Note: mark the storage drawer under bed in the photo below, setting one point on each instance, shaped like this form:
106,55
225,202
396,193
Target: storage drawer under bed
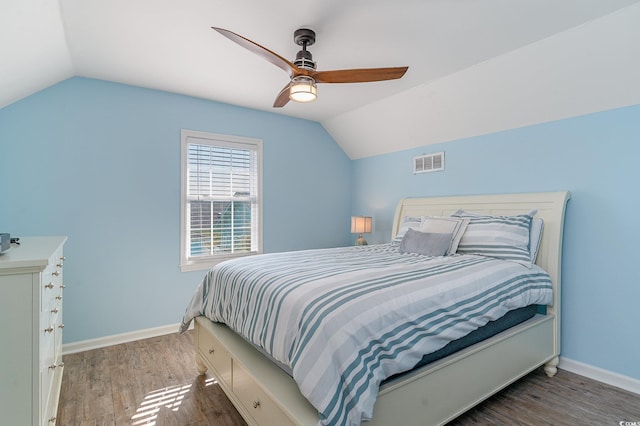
258,404
216,356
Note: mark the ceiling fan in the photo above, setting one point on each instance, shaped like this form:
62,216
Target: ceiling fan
302,87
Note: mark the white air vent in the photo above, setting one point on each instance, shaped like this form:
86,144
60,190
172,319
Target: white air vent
428,163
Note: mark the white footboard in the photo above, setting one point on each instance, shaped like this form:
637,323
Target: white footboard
441,391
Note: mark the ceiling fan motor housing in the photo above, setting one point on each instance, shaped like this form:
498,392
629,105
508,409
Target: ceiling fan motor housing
304,37
304,60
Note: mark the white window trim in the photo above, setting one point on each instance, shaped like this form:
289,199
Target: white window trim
235,141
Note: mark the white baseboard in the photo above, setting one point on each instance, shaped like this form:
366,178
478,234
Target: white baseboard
116,339
605,376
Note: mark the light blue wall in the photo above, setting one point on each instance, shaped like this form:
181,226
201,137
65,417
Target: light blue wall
596,158
100,163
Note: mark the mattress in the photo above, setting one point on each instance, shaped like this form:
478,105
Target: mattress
510,319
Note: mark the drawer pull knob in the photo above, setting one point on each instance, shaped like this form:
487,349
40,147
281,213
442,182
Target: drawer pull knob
256,404
59,265
211,351
62,286
63,258
58,297
52,420
61,326
48,330
54,311
61,364
52,367
49,286
56,273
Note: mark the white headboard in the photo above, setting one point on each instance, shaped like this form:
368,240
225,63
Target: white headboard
550,207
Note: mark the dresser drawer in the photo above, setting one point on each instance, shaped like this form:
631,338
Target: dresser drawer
47,343
51,287
216,356
50,338
51,381
257,403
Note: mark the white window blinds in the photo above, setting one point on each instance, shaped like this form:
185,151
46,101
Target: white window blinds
221,198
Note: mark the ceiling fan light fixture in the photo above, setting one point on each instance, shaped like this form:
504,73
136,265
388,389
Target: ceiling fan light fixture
303,89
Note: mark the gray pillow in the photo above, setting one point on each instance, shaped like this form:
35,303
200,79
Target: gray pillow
425,243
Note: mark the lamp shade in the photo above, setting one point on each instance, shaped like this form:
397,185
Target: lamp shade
360,224
303,89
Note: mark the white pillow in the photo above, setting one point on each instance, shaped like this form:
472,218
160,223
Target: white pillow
446,225
535,236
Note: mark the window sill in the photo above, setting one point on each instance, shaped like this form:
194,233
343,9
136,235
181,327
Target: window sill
209,263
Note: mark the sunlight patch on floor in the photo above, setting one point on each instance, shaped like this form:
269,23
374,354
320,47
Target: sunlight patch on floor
170,397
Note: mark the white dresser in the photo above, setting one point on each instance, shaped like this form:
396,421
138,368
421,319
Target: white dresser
31,331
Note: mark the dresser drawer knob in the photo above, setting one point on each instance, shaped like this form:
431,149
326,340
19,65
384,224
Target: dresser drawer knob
52,367
63,258
211,351
52,420
256,404
61,326
49,286
58,297
54,311
59,265
48,330
56,273
62,286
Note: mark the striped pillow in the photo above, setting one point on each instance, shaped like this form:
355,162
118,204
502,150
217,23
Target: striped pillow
408,222
501,237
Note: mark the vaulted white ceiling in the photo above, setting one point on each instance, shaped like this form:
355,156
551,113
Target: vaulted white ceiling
475,66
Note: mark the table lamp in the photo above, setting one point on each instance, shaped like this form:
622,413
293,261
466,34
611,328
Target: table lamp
360,225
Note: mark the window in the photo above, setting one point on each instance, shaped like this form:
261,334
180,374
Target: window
221,192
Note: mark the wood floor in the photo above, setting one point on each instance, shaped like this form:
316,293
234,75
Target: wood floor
155,382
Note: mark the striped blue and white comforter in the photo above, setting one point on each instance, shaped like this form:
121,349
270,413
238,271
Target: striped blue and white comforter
345,319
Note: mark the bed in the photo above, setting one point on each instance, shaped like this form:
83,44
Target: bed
269,392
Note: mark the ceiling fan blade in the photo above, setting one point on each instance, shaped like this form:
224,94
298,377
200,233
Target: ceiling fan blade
362,75
282,98
262,51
